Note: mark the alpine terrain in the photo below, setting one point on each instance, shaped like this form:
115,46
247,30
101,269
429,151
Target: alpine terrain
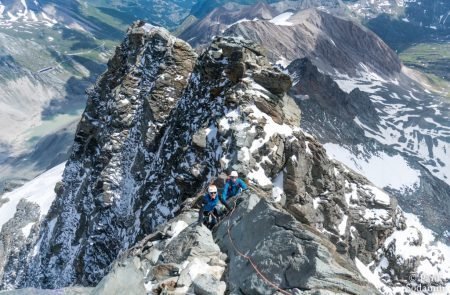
381,118
51,51
160,125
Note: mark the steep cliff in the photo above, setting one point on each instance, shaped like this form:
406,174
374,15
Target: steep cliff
160,125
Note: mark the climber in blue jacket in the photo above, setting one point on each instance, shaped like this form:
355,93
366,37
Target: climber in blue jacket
234,186
211,207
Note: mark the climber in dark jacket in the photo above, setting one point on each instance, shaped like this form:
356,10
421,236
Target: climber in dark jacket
211,205
233,186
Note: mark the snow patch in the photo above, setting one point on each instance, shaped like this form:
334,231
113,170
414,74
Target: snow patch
376,216
278,187
368,274
282,19
259,176
176,229
283,62
380,197
343,225
382,169
316,202
270,128
415,243
238,22
27,229
39,190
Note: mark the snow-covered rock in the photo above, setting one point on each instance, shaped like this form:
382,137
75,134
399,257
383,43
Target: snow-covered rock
148,145
124,114
21,212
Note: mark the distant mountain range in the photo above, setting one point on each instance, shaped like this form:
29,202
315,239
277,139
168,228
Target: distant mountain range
75,38
285,93
163,123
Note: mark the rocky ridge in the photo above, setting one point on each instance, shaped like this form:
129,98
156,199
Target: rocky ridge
360,102
334,44
119,123
144,148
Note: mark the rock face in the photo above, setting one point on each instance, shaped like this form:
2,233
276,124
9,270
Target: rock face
156,131
315,92
292,255
14,234
104,178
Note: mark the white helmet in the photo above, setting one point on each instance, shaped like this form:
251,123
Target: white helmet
212,189
234,174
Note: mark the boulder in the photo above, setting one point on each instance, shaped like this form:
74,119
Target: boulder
288,253
208,285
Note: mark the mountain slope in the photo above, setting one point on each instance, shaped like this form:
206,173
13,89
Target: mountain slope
21,212
333,43
43,97
390,118
353,125
145,150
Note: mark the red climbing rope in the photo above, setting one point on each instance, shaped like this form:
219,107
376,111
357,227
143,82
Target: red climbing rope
258,272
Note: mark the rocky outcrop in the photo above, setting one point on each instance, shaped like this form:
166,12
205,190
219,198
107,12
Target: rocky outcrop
145,150
291,255
317,92
103,180
14,234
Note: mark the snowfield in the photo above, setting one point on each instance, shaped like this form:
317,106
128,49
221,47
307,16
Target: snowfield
411,121
39,190
382,169
282,19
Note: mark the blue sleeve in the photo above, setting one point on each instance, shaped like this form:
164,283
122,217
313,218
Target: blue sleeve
242,184
225,191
